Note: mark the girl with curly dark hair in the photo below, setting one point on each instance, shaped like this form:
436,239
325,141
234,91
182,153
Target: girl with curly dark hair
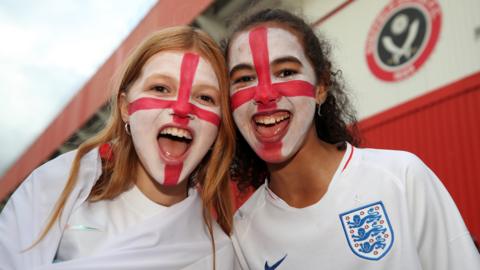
325,203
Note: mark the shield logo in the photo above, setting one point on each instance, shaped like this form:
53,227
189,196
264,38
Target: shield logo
368,231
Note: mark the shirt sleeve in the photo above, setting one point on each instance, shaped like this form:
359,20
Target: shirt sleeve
13,218
441,237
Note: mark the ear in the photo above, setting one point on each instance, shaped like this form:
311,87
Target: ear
123,103
321,93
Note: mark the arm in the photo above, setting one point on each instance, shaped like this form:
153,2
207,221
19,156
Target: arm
25,215
442,239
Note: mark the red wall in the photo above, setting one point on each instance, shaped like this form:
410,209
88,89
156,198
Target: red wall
443,128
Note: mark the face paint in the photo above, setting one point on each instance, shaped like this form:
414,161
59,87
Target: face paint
174,114
272,92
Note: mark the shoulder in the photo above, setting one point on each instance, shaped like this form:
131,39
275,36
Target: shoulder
59,167
388,158
400,168
252,204
49,179
396,162
245,214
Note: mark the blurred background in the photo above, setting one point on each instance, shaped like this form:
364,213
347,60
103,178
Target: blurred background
412,68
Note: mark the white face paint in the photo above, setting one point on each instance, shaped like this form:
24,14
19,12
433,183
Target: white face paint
174,114
272,91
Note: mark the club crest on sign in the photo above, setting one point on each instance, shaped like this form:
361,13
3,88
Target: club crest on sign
402,38
368,231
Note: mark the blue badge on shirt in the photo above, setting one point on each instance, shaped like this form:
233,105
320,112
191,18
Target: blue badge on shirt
368,231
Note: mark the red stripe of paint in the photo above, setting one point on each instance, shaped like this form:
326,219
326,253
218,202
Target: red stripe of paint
295,88
155,103
271,151
289,89
182,107
349,158
148,104
206,115
241,97
265,94
172,174
259,48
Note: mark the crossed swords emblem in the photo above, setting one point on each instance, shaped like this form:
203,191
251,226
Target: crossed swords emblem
399,26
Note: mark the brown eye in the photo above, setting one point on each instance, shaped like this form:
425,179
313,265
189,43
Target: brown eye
160,89
244,79
207,99
286,73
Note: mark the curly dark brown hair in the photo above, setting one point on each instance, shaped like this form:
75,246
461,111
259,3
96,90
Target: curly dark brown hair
337,123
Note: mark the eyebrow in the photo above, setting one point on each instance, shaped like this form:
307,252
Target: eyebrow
286,59
240,67
205,86
156,76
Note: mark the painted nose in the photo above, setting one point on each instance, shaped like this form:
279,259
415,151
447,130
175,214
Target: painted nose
266,94
182,109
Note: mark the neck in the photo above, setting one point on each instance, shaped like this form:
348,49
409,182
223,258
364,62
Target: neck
303,179
161,194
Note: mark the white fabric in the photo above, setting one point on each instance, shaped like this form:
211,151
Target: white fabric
95,222
428,230
173,239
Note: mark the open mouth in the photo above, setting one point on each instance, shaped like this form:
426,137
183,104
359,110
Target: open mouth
174,142
272,126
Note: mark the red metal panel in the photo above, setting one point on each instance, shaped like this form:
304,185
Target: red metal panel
443,129
96,91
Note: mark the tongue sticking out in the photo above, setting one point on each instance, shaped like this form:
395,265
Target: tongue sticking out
173,147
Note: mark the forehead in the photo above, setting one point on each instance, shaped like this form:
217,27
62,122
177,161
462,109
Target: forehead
169,63
280,42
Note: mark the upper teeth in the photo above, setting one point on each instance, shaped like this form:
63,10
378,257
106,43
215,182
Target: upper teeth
271,119
178,132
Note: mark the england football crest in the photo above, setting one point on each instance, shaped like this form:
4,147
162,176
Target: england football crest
368,231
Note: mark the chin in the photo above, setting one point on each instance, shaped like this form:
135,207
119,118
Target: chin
273,157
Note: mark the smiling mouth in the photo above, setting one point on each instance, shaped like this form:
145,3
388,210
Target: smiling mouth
174,142
271,126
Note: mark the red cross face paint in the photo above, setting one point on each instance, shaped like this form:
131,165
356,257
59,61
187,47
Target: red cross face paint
174,114
272,91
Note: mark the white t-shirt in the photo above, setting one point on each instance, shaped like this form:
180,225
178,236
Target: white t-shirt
383,210
174,237
93,223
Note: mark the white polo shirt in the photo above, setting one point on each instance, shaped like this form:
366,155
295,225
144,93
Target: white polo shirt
383,210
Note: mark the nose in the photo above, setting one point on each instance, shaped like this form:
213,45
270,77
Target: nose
182,109
266,94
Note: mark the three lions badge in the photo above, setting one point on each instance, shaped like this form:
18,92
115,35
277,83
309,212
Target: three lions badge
368,231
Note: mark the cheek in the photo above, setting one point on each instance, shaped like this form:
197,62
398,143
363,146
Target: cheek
304,114
147,122
242,117
206,133
304,107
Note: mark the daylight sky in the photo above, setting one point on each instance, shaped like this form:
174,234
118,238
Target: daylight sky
48,50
